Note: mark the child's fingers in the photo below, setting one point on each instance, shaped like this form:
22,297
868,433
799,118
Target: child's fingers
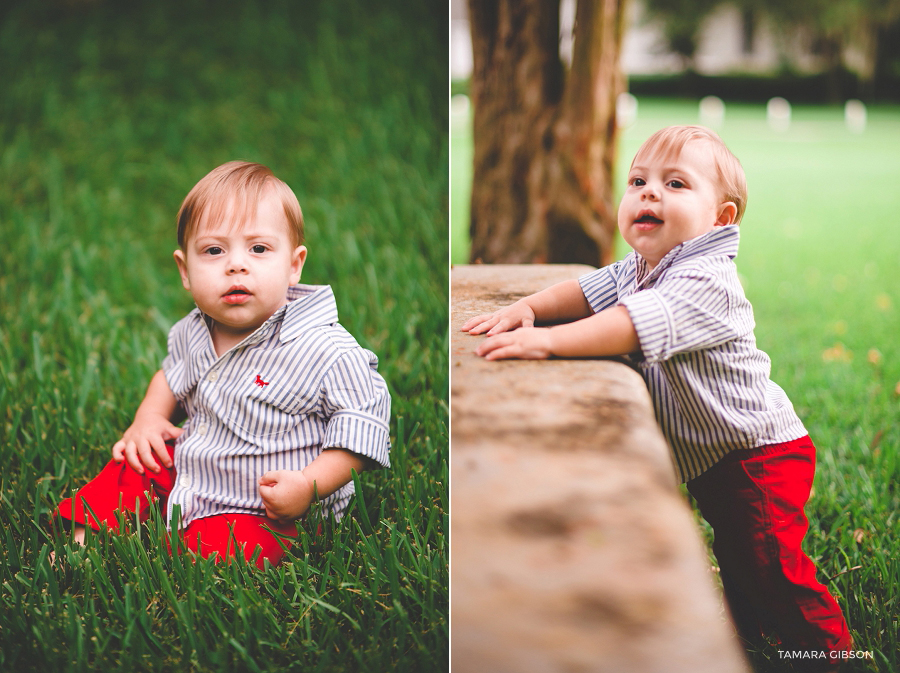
493,343
161,450
504,346
132,458
145,452
508,324
486,325
270,504
501,327
270,478
118,451
172,432
525,344
472,322
505,353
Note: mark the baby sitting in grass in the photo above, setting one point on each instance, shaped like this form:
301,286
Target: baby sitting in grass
675,305
281,403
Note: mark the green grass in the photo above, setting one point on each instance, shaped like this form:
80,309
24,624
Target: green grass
818,257
109,114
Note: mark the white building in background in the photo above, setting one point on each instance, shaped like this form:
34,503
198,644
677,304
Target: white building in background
460,40
725,45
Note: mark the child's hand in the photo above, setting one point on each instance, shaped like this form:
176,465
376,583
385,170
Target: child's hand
286,494
509,318
530,343
144,438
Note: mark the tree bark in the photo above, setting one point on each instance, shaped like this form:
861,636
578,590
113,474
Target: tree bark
544,136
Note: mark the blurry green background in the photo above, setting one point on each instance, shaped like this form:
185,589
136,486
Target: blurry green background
109,113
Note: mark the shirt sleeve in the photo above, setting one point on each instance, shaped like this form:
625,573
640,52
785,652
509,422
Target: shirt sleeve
600,287
688,312
356,401
174,365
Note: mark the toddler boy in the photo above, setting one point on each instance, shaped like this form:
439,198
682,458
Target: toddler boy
676,306
280,401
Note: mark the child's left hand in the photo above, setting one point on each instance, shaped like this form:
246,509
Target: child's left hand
286,494
526,343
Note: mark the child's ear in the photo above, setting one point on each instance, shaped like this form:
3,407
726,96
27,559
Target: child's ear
182,269
298,259
726,214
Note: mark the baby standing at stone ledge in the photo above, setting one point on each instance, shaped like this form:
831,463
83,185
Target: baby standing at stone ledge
676,307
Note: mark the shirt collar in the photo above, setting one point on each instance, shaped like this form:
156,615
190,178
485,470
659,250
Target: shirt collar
308,306
721,241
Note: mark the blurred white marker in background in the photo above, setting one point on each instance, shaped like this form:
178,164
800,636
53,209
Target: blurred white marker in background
778,113
855,115
712,111
626,110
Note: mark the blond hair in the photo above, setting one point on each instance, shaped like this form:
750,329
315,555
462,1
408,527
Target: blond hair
234,189
728,173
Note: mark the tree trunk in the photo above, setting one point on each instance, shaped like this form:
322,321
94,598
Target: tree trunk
544,137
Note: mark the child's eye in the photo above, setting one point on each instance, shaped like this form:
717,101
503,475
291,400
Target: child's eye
675,184
214,250
258,248
637,182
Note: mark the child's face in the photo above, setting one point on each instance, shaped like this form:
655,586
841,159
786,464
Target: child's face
239,272
670,201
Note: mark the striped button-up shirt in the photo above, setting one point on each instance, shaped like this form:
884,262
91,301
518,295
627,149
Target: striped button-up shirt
708,380
298,385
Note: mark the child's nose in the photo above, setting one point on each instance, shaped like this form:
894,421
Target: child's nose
236,264
649,193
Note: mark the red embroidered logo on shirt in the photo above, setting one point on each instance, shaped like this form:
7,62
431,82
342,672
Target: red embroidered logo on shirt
260,382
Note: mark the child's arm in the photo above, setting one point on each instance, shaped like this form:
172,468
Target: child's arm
357,405
288,494
609,332
563,302
151,427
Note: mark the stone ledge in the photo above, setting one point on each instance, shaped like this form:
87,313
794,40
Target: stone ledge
572,549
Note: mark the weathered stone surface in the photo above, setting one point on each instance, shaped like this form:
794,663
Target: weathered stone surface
572,549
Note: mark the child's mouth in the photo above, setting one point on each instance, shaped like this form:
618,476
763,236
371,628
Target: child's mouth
647,221
236,295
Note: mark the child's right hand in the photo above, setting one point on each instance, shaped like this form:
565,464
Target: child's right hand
509,318
145,437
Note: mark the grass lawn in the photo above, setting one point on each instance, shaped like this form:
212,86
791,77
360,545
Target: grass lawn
819,250
109,113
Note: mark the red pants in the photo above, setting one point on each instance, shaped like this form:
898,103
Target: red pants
754,501
119,488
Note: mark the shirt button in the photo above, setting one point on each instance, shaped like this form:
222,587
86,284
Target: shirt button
213,375
202,429
184,481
